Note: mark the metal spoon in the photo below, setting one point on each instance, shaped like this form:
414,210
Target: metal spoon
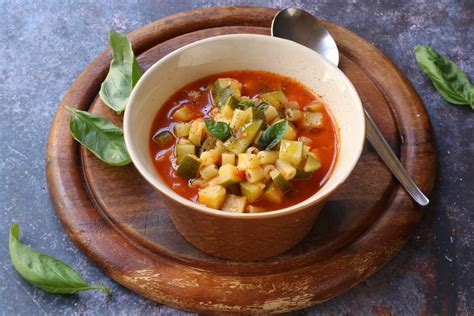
302,27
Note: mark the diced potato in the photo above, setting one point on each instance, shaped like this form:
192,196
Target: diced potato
182,129
229,174
252,191
239,118
273,194
227,111
271,113
247,161
293,115
234,204
267,157
210,157
290,133
286,170
220,147
228,158
315,107
291,151
183,114
313,119
306,150
196,132
254,175
209,172
292,105
256,209
212,196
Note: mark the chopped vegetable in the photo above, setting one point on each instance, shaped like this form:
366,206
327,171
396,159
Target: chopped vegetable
280,182
312,163
163,138
189,166
273,194
209,172
291,152
241,141
313,119
228,158
196,132
212,196
183,114
229,174
252,191
184,149
182,129
275,98
234,204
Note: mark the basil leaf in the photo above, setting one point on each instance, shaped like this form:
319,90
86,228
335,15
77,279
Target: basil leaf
245,104
99,135
49,274
450,81
124,73
272,135
219,130
223,95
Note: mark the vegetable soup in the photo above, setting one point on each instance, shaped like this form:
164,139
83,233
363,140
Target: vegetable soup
244,141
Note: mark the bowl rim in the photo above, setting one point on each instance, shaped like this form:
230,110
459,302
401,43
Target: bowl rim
150,178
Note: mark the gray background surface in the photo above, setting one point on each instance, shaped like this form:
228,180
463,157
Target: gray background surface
44,45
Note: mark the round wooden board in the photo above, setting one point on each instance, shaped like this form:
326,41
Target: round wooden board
120,222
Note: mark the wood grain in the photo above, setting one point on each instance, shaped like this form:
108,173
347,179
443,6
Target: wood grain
119,221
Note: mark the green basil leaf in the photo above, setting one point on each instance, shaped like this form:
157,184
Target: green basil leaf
245,104
219,130
272,135
99,135
450,81
223,95
124,73
49,274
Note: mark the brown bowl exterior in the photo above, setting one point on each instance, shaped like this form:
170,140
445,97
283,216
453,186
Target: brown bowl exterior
242,239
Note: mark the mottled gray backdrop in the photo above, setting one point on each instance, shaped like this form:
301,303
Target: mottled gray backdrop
44,45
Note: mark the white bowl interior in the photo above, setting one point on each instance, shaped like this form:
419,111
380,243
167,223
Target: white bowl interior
244,52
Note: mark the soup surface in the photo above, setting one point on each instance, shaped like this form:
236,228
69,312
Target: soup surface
265,100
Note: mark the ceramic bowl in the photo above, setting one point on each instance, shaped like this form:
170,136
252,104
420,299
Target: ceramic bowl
244,236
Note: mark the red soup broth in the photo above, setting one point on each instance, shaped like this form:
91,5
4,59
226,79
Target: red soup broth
197,96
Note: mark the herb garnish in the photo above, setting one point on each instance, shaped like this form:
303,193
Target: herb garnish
123,75
450,81
103,138
48,273
219,130
272,135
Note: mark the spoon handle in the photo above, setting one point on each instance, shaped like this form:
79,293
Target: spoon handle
393,163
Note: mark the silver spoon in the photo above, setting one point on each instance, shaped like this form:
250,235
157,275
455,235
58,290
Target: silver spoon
302,27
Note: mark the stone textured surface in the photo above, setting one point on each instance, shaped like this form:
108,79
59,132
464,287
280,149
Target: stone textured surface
45,45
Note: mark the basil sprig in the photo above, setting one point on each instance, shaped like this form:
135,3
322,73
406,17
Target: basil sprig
49,274
103,138
219,130
272,135
124,73
450,81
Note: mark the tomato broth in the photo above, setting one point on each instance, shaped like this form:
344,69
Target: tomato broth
198,97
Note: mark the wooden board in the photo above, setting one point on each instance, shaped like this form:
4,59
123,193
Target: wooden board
120,222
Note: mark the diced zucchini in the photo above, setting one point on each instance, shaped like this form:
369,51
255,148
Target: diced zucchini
240,142
208,144
182,129
254,175
267,157
291,152
182,150
256,209
275,98
245,103
313,119
234,188
247,161
272,194
252,191
196,132
229,174
255,114
234,204
210,157
280,182
315,107
189,167
286,169
183,114
209,172
239,118
302,175
225,88
228,158
212,196
163,138
312,163
271,113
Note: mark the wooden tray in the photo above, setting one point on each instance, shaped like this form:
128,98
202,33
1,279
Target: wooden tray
120,222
